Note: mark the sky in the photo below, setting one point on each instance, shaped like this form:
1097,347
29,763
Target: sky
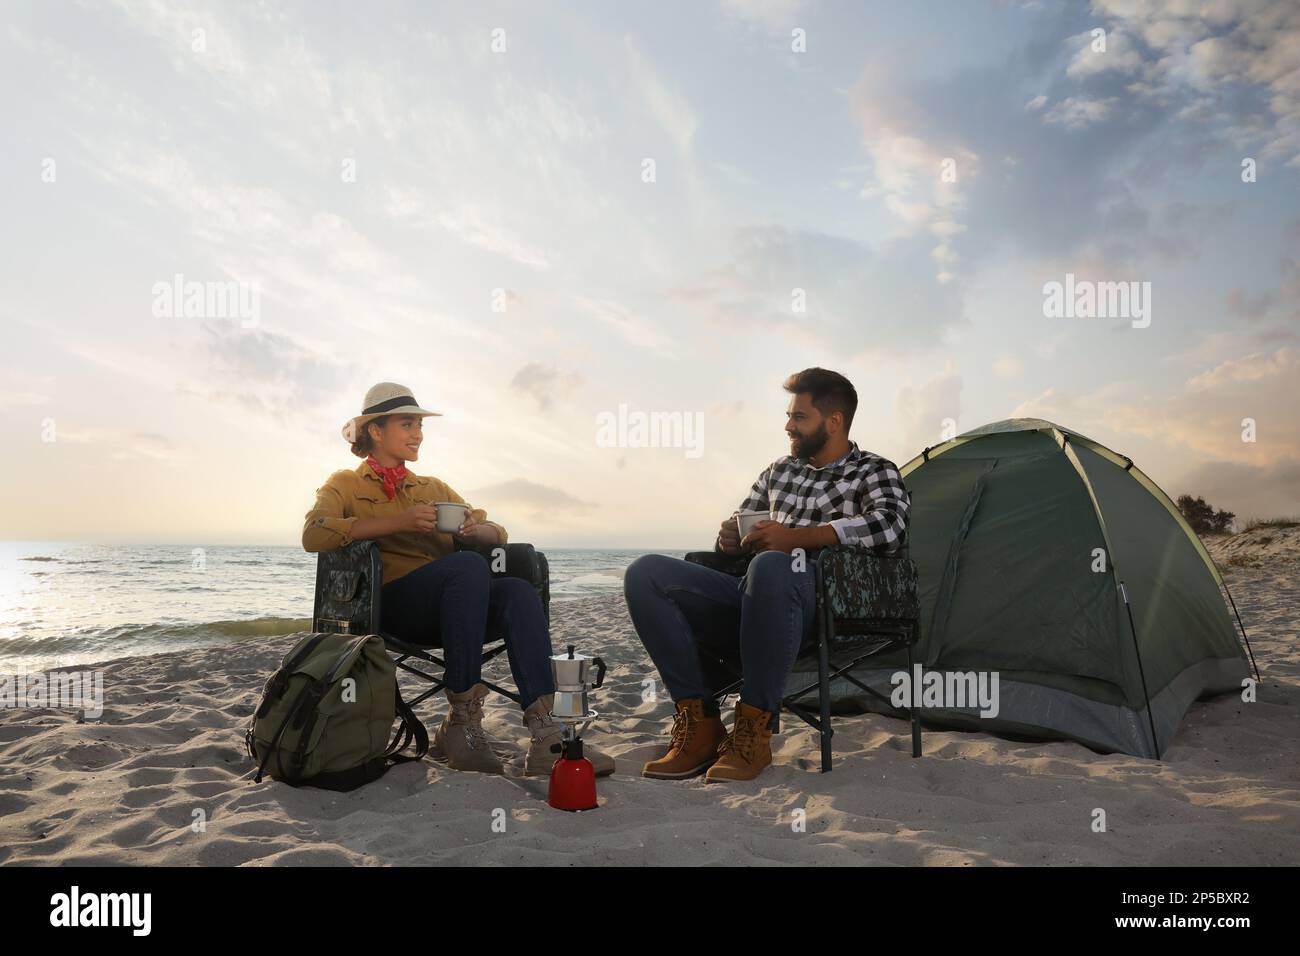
536,214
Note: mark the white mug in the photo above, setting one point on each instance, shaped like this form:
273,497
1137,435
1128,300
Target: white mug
745,520
450,515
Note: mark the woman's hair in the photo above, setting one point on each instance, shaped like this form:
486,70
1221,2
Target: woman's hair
364,445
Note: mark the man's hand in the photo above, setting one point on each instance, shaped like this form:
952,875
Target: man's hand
771,536
729,537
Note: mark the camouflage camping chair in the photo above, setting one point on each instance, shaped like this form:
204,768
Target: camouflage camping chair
349,586
867,605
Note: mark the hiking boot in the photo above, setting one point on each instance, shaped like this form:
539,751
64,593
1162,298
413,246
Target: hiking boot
747,749
694,744
545,731
461,738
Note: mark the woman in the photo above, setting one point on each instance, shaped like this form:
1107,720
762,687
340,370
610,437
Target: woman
434,595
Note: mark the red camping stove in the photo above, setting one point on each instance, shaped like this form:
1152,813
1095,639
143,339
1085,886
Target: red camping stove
573,778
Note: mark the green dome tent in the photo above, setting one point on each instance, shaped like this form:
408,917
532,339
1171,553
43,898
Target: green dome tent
1056,563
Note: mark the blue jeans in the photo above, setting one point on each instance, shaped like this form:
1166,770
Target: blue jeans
690,618
455,603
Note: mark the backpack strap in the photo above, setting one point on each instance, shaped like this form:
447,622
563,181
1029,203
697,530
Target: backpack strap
309,712
274,746
296,712
277,681
410,728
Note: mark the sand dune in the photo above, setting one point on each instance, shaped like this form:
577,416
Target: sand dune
1262,547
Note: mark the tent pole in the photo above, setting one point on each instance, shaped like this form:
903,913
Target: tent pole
1155,742
1243,633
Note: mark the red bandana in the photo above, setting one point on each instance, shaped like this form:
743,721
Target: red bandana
392,476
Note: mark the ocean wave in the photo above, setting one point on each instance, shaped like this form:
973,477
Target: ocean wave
255,627
611,577
157,637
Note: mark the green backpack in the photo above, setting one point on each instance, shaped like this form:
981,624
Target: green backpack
326,714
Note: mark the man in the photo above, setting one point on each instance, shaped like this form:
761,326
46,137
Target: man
827,491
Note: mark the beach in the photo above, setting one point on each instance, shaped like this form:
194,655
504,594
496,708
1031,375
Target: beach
162,778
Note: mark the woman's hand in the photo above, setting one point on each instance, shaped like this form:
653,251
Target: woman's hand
476,533
418,518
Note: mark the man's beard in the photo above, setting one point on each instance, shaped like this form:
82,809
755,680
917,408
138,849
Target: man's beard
808,446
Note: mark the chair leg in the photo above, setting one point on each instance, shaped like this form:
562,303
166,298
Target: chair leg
824,689
912,711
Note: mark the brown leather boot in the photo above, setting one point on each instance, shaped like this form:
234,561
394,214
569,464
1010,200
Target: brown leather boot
694,744
461,738
747,749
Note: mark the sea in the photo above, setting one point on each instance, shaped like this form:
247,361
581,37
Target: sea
66,605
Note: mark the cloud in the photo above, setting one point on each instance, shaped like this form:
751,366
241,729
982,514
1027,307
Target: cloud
545,384
1120,55
305,262
276,376
1118,236
1077,113
482,228
921,174
859,299
921,411
634,331
537,501
777,16
1210,349
1086,414
1206,415
1007,366
1280,303
125,446
10,398
470,227
1213,47
1247,490
1246,306
669,108
727,411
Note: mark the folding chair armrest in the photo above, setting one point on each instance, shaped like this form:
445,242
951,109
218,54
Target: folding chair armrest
520,559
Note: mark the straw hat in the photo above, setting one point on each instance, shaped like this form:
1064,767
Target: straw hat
386,398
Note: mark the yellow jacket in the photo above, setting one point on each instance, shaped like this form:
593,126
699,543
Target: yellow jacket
348,495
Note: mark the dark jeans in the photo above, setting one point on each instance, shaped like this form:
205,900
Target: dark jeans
456,604
689,616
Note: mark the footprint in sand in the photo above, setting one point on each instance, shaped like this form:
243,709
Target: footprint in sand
11,732
13,803
91,756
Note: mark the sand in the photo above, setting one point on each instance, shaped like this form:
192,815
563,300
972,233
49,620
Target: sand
128,788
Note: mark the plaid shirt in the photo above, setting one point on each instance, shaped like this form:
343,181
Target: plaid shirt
860,495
